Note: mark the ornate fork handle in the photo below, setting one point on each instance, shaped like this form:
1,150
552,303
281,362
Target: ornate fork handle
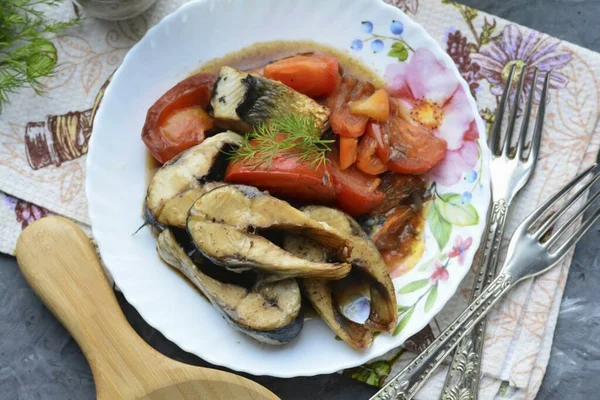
404,385
463,374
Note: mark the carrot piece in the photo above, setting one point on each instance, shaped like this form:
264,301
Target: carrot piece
376,106
348,151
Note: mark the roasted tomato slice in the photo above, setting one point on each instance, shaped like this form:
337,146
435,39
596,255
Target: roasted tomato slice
178,120
314,75
414,149
383,144
389,236
287,177
399,216
367,160
357,192
400,189
342,121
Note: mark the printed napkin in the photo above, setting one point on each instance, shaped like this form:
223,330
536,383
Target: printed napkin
43,143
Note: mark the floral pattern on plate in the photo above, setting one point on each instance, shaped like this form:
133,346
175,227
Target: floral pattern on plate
433,98
429,94
398,49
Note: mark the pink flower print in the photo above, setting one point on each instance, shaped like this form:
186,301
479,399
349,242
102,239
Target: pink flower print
429,94
455,164
460,248
440,273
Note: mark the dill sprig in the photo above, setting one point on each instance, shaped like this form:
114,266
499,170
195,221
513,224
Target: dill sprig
300,137
26,54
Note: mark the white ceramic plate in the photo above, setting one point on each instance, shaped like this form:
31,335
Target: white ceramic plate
383,38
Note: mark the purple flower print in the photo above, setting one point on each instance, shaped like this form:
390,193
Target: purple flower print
522,47
405,5
25,212
459,50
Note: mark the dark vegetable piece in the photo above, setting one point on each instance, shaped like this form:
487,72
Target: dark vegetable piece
400,189
396,224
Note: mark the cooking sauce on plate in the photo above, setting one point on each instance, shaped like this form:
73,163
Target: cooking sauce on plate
256,57
260,54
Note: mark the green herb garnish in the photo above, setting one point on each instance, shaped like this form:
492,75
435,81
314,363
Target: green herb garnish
301,138
26,54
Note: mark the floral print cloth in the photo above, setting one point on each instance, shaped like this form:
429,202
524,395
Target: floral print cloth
43,142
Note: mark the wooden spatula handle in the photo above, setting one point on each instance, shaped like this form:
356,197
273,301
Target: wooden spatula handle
61,265
59,262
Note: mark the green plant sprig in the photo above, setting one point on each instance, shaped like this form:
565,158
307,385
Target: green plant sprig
301,138
26,53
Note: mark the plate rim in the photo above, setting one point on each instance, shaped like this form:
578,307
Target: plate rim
164,330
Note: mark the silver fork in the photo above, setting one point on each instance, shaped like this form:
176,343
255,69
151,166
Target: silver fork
539,242
510,173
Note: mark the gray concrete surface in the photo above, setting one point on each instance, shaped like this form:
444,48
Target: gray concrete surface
39,360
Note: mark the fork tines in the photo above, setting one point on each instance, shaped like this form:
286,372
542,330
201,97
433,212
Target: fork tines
548,231
500,147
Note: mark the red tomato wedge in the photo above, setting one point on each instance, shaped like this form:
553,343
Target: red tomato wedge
357,192
383,143
342,121
177,120
368,161
286,177
414,149
348,151
315,75
182,125
376,106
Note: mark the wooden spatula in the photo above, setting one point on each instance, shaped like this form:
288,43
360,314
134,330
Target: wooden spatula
60,264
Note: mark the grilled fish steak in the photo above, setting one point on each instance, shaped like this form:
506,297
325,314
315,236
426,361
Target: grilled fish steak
368,269
270,312
179,182
241,100
225,223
